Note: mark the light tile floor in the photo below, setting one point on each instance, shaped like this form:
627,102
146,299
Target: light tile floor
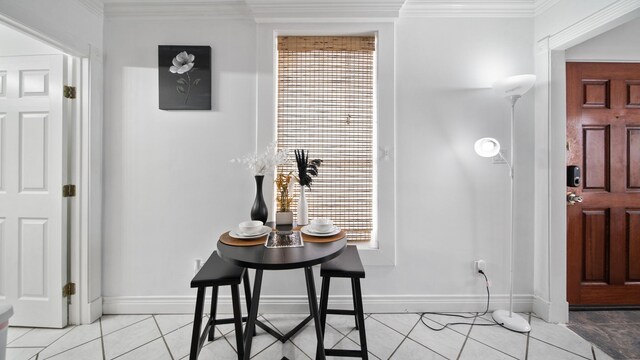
390,336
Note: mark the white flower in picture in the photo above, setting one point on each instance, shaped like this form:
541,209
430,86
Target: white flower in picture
184,63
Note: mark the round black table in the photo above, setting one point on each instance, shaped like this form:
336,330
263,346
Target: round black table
262,258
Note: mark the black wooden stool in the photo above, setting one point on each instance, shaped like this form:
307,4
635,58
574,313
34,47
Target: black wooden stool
347,265
215,273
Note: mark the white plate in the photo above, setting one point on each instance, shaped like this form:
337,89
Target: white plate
308,231
238,235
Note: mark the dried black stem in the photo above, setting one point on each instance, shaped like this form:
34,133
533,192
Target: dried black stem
306,169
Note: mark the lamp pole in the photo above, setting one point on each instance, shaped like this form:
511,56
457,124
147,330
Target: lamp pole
511,89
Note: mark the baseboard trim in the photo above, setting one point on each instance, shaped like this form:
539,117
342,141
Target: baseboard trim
298,304
541,307
95,311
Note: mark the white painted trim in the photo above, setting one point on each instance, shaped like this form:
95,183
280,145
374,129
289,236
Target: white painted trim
18,26
324,20
599,22
299,304
543,5
319,11
95,6
263,11
468,8
177,10
94,311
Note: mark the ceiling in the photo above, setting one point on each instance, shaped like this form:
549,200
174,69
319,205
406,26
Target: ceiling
313,10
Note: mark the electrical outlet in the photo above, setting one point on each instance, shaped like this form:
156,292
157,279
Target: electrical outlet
479,265
197,265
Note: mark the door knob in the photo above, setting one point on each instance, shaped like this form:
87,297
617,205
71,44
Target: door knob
572,198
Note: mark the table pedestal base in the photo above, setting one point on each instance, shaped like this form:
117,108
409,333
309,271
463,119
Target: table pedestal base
252,319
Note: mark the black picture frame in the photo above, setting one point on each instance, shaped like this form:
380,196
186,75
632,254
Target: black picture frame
184,77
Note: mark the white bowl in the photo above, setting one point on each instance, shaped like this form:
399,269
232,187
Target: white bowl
321,225
250,227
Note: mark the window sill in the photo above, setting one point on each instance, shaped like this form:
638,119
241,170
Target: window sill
376,256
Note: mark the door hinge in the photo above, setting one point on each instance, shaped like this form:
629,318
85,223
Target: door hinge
69,92
69,289
69,190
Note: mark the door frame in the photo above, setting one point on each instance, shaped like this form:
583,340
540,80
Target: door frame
82,309
550,299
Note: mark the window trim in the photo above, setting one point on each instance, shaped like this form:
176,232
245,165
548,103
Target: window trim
266,117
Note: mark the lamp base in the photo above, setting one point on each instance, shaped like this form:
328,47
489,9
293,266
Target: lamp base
514,322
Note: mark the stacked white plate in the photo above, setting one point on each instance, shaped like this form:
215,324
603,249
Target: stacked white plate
240,235
309,230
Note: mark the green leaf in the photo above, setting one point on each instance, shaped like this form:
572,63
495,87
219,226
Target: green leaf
196,81
182,81
180,89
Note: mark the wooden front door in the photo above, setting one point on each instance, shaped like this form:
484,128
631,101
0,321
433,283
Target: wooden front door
603,138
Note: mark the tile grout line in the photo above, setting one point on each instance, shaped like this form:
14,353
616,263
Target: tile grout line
162,336
414,325
136,348
150,341
291,341
58,338
104,357
28,331
526,348
124,327
224,336
71,348
466,337
405,337
558,347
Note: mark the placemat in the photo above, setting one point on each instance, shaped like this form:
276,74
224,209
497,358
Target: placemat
229,240
322,239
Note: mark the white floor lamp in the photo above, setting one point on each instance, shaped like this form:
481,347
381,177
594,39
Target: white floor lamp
511,88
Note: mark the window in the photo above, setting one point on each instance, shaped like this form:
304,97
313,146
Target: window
326,105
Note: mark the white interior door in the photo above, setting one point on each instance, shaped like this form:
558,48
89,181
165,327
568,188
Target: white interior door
33,168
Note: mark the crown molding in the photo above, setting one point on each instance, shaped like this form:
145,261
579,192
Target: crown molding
319,10
611,16
177,9
264,11
94,6
468,8
544,5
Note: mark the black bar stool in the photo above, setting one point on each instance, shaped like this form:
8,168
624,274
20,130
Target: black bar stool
347,265
215,273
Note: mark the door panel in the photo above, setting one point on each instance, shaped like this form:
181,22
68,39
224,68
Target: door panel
603,138
33,248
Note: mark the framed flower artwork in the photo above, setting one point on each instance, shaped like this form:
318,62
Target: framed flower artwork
184,77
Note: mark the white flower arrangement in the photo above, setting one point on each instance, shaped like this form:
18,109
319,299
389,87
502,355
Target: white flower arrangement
266,162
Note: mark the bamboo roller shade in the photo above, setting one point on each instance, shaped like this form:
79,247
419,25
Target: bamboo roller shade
326,43
326,106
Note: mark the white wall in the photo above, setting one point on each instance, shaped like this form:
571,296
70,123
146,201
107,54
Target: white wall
169,185
444,104
619,44
170,189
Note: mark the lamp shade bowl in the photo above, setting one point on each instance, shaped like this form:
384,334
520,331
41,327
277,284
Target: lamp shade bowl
514,85
487,147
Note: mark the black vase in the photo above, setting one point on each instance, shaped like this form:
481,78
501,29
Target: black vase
259,209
